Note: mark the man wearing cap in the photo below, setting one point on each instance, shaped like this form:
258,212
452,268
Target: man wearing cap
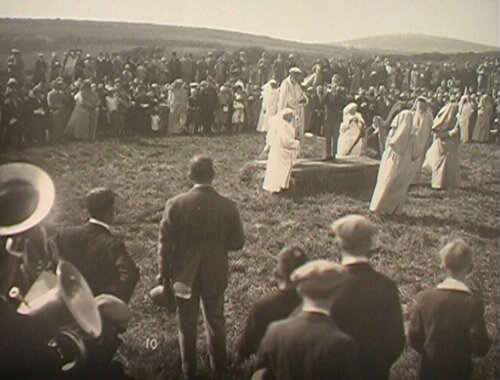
101,257
310,346
196,232
292,96
366,305
274,306
447,324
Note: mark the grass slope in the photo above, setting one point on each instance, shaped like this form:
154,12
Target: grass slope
146,171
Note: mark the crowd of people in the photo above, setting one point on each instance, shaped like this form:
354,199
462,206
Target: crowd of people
83,96
327,320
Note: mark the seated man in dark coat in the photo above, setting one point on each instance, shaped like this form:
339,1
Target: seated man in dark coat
310,346
447,325
274,306
96,253
366,305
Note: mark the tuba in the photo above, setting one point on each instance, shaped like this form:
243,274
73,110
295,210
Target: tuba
63,302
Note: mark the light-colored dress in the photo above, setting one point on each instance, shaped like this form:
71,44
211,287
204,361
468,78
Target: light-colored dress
350,129
82,124
442,157
466,109
395,169
283,151
178,104
292,96
481,132
422,124
269,107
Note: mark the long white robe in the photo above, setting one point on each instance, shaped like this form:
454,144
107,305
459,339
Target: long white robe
283,151
422,124
481,132
395,166
350,129
290,96
269,107
464,119
442,157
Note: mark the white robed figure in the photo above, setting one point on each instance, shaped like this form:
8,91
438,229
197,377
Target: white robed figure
292,96
422,124
270,97
352,136
442,157
481,132
465,112
283,152
395,168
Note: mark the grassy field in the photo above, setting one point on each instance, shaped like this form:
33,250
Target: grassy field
145,172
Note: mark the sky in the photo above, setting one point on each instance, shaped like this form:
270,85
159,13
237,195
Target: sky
300,20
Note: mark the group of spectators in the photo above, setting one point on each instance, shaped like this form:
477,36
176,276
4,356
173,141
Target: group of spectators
83,97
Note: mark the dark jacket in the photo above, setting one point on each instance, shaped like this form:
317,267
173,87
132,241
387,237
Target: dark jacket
447,328
367,307
101,258
197,230
272,307
309,346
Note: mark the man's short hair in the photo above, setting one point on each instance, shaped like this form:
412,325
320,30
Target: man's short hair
99,201
354,233
456,256
201,169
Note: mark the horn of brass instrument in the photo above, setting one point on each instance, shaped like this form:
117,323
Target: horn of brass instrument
26,197
68,294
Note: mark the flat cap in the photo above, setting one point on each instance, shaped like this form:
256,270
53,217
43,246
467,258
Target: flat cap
295,70
353,229
318,276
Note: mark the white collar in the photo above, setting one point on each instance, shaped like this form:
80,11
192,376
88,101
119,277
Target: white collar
315,309
99,223
348,259
198,185
453,284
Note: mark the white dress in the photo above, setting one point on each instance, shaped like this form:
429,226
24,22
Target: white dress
350,129
290,96
481,132
442,157
282,154
422,124
395,166
269,108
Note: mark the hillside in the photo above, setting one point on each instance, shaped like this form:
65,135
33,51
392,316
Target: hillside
44,34
415,44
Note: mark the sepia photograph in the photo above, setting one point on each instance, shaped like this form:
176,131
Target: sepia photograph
249,190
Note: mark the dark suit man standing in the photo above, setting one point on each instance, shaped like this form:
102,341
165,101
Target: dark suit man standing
197,230
96,253
366,305
310,346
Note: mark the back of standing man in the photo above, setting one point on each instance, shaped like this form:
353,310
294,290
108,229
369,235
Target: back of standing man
197,230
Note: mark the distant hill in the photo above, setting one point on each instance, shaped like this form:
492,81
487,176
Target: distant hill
48,35
415,44
57,34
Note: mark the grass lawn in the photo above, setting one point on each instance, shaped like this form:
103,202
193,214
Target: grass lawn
145,172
